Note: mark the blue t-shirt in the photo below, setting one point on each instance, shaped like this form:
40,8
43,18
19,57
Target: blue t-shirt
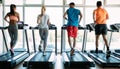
73,17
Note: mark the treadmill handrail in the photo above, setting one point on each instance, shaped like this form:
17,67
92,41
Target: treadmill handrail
79,27
51,26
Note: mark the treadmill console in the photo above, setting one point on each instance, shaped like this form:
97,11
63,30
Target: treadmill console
65,26
115,27
91,26
21,25
51,26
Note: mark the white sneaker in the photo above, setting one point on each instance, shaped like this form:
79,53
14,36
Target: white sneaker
44,54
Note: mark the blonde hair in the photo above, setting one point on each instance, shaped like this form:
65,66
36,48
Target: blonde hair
43,7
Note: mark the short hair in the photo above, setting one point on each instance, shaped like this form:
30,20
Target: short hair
99,3
72,3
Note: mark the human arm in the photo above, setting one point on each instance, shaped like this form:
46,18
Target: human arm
64,16
48,22
107,16
18,16
5,18
80,17
94,16
38,19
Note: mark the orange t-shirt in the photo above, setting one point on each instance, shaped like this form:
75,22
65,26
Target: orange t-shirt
100,15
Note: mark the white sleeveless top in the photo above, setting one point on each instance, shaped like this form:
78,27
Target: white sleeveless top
43,21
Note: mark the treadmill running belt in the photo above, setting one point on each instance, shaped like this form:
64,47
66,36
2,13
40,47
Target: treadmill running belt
76,57
8,56
103,57
40,58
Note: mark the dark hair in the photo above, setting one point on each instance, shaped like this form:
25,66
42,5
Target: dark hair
99,3
12,6
72,3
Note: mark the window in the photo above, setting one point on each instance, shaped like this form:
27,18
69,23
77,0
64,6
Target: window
53,2
33,1
92,2
114,16
16,2
56,15
77,2
89,15
31,20
113,2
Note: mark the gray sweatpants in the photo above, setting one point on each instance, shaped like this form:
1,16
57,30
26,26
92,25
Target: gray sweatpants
43,35
13,32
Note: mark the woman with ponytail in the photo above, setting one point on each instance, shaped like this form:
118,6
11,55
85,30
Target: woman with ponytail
12,18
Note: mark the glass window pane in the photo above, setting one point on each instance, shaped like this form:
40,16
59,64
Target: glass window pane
92,2
78,2
53,2
32,19
16,2
115,41
56,16
33,1
113,2
89,15
114,16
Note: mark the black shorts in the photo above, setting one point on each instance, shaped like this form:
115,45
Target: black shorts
101,29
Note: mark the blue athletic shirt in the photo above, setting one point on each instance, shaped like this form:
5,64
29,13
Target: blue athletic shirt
73,17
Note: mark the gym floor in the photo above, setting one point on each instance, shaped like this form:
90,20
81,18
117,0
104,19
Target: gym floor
59,65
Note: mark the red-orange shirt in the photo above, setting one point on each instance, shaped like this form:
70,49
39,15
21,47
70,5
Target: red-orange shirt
100,16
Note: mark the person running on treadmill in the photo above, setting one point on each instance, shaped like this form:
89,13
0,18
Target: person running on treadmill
100,16
72,24
13,27
43,21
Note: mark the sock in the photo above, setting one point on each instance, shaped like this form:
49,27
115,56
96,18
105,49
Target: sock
96,49
107,48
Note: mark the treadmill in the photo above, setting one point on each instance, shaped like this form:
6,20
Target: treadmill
37,60
6,60
100,58
80,59
116,28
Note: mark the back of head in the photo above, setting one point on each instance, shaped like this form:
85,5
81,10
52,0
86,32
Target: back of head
43,7
99,3
72,5
12,9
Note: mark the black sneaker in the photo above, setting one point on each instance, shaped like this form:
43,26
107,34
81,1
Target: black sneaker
108,54
96,51
40,48
12,53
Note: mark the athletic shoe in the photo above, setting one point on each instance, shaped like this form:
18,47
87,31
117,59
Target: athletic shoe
44,54
108,54
40,48
12,52
96,51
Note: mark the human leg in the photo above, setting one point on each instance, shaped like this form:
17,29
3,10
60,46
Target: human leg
45,40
